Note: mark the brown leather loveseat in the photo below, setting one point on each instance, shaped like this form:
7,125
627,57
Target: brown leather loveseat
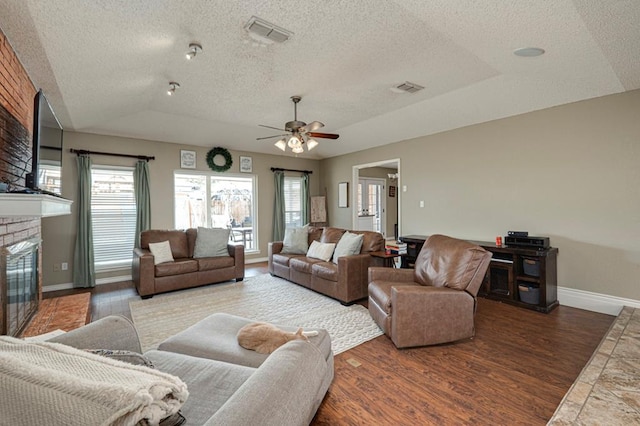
345,281
185,271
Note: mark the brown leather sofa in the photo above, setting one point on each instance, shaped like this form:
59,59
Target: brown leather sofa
435,302
185,271
346,281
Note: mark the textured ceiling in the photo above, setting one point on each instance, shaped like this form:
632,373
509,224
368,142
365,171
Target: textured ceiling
105,65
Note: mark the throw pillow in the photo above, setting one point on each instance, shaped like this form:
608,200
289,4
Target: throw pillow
322,251
211,242
296,240
161,252
348,245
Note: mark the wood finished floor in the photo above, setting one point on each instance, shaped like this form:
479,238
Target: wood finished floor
516,369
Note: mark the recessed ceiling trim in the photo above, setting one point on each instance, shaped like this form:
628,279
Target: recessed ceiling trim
528,52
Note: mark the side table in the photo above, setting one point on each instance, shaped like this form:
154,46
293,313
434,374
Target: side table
389,259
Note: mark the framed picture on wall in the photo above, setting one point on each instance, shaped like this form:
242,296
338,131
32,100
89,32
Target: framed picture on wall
392,191
187,159
246,164
343,194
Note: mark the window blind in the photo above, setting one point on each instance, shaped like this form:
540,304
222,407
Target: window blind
113,216
293,202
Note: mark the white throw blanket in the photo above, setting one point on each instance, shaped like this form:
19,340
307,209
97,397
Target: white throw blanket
54,384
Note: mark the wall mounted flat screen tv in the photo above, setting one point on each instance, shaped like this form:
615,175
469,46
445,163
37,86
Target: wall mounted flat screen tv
46,160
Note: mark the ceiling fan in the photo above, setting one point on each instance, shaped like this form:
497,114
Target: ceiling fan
299,132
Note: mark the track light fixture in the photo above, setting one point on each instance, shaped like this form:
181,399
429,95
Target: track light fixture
173,86
194,49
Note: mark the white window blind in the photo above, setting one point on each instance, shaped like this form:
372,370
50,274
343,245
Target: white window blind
293,202
113,216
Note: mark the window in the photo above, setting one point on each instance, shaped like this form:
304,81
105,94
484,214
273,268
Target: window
231,204
113,216
371,204
49,178
293,202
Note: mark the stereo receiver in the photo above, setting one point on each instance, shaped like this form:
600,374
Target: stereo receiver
537,242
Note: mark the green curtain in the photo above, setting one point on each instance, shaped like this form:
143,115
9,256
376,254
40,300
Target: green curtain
306,200
84,274
278,207
143,199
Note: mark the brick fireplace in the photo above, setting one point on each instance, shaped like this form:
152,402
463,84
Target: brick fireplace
20,214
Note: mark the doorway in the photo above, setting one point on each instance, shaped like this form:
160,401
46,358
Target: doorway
376,198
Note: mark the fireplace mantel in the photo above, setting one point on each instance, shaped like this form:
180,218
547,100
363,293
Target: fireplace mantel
33,205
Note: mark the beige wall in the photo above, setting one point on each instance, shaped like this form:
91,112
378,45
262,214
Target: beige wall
59,232
571,173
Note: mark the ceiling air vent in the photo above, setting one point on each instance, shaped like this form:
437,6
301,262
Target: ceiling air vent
407,87
266,32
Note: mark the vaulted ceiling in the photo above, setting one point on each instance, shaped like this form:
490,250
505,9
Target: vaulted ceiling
105,65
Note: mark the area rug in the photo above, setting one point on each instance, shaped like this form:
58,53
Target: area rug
260,298
59,313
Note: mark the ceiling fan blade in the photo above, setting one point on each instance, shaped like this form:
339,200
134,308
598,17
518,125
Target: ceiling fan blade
274,136
270,127
323,135
314,125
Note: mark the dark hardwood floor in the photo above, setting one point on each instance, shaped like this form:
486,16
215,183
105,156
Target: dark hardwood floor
516,369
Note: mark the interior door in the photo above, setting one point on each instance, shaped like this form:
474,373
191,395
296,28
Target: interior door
371,205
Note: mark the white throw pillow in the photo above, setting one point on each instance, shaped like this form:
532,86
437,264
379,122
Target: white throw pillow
348,245
161,252
211,242
322,251
296,240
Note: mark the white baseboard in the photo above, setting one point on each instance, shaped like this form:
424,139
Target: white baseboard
99,281
596,302
256,260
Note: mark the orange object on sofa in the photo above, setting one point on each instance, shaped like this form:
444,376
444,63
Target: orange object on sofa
435,302
184,271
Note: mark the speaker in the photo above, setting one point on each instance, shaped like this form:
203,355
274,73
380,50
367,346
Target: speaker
536,242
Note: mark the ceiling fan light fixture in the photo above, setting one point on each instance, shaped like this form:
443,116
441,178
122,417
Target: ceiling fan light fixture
311,143
297,149
281,144
194,49
294,141
173,86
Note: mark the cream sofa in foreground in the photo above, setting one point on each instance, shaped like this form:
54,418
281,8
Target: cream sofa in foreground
227,384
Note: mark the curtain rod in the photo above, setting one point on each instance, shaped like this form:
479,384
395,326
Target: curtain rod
277,169
86,152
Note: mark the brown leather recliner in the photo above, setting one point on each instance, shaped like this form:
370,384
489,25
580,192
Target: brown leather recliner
435,302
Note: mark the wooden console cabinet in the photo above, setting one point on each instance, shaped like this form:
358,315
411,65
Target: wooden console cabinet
522,276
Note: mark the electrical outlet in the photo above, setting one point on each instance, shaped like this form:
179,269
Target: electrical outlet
421,203
65,266
56,267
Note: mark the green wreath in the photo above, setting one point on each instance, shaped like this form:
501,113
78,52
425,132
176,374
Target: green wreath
213,153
